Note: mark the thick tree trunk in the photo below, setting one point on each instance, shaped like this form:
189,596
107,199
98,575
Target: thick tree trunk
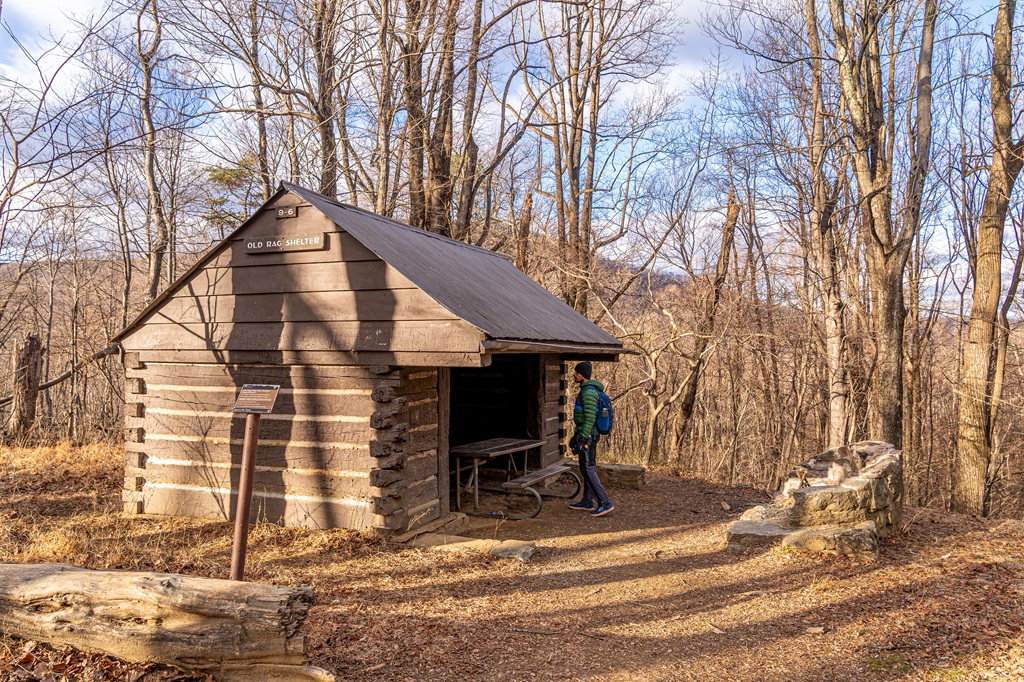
974,437
324,32
471,153
416,117
28,368
872,107
232,630
385,112
263,164
523,233
885,406
823,244
440,186
838,386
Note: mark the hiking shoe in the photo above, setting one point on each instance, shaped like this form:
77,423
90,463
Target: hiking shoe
581,505
605,508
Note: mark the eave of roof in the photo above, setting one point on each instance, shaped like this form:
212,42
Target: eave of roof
521,346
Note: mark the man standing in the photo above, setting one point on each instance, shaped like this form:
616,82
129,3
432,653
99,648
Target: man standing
584,442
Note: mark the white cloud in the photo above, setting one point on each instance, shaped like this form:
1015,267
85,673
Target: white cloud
35,23
33,17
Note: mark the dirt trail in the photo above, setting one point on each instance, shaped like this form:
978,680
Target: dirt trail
646,593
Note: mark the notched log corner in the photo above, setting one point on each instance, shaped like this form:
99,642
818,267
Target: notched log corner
232,630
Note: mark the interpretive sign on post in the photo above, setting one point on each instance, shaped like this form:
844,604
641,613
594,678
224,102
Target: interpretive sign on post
257,398
253,400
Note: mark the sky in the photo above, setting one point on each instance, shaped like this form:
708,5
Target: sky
33,20
29,18
21,14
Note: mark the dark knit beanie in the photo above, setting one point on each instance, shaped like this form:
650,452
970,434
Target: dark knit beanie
585,369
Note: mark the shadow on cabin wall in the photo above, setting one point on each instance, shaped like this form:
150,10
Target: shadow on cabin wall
259,286
289,320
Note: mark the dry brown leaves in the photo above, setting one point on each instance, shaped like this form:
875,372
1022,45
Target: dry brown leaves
644,593
34,661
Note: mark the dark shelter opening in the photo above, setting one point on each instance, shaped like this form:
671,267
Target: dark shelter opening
498,401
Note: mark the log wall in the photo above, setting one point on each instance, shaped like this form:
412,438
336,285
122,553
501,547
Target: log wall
423,483
552,398
345,447
353,441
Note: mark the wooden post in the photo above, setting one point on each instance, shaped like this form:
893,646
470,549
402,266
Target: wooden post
243,505
253,400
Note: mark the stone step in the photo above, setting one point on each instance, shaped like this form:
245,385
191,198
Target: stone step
749,533
853,541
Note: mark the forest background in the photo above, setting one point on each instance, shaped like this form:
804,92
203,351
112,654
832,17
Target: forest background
801,214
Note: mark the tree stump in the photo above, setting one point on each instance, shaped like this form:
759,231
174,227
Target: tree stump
28,369
232,630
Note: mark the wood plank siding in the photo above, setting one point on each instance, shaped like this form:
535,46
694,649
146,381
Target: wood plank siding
328,306
552,401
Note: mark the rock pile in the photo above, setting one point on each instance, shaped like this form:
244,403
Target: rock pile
841,501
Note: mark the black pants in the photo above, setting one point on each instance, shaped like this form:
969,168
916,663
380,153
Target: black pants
592,488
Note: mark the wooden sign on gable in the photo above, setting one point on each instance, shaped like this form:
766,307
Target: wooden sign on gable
293,242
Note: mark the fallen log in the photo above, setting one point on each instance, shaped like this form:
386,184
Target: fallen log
229,629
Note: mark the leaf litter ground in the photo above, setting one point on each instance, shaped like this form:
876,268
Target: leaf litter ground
645,593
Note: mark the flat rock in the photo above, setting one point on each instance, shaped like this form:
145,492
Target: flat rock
858,541
853,541
505,549
767,512
750,533
514,549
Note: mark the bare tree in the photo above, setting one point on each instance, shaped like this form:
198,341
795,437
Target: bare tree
590,51
708,300
869,39
789,115
38,146
981,375
148,37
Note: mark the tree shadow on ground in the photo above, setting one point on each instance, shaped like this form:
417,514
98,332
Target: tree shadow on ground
695,628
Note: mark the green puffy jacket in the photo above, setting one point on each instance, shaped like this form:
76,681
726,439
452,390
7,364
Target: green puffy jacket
586,418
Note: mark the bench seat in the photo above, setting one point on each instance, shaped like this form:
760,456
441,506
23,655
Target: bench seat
535,477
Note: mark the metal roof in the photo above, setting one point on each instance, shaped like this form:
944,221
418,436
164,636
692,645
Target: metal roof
480,286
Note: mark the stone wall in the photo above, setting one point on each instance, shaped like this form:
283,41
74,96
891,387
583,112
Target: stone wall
840,501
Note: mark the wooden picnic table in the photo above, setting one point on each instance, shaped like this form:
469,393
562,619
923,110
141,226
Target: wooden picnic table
482,451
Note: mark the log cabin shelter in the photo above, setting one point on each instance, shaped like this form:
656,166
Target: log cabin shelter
390,344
